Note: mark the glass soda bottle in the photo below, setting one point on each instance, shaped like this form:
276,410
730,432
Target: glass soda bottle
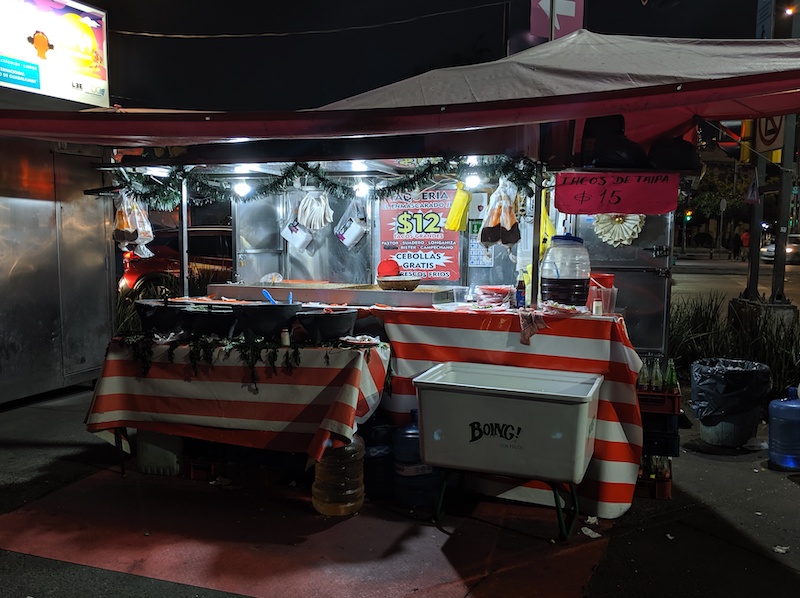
643,380
656,377
671,377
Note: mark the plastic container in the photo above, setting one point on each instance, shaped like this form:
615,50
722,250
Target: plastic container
508,420
338,487
377,433
565,271
784,432
416,484
601,286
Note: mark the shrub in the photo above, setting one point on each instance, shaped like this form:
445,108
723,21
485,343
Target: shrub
702,327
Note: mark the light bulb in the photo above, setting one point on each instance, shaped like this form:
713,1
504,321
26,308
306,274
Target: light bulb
362,189
472,181
241,189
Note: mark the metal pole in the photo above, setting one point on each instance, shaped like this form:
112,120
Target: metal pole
787,170
756,216
183,238
552,20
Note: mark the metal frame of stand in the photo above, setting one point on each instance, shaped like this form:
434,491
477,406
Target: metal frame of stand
565,528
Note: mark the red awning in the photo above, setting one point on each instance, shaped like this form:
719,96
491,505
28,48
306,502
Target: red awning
661,85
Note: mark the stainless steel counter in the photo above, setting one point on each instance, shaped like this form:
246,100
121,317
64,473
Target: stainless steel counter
339,293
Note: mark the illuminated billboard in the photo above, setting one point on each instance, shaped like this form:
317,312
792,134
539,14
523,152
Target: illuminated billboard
54,48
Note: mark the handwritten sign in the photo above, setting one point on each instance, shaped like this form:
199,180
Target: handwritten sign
579,192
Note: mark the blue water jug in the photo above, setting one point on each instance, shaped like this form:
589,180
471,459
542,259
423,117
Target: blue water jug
784,432
416,484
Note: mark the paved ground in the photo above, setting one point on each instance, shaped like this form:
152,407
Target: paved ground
730,529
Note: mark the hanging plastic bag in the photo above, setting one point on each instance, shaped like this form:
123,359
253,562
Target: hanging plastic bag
500,222
314,211
459,210
133,226
297,235
144,230
352,225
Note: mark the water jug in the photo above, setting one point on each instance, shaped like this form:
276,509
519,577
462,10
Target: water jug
784,432
565,271
416,484
338,487
377,433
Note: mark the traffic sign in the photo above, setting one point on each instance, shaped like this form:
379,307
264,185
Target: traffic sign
769,134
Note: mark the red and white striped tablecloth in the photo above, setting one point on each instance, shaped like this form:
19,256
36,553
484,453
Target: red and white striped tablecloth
296,410
422,338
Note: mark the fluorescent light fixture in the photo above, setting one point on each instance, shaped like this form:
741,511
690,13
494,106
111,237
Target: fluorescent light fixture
472,160
358,165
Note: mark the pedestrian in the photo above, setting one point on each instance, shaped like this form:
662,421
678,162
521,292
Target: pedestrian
736,245
745,239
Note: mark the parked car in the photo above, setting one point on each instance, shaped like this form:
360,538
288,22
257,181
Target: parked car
792,250
210,250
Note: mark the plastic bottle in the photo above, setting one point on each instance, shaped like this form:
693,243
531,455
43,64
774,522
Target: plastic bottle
338,487
565,271
416,484
520,294
377,433
784,432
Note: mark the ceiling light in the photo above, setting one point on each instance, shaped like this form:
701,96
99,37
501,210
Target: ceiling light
472,181
241,189
362,189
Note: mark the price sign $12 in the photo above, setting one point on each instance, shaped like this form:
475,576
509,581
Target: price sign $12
418,223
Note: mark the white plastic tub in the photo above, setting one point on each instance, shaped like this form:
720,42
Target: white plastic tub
506,420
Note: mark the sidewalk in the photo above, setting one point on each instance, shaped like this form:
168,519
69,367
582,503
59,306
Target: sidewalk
731,529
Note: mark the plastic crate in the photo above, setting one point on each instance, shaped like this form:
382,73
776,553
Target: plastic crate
659,402
658,488
661,443
660,422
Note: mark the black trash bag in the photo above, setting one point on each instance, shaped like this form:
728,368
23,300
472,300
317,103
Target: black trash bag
728,386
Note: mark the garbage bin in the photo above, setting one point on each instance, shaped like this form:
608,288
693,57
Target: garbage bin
727,398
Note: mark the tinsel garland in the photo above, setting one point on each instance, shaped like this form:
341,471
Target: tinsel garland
165,193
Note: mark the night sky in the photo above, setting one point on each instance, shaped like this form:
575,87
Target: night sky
316,52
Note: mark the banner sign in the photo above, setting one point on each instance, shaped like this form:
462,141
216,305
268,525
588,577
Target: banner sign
579,192
55,49
412,233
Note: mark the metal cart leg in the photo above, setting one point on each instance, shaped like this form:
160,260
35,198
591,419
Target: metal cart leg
120,452
437,514
565,530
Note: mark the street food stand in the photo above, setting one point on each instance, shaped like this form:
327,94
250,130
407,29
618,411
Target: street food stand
515,108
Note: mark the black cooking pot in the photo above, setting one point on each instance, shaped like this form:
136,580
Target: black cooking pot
328,323
265,319
159,315
209,319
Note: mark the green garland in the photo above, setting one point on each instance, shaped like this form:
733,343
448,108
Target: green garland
165,193
251,352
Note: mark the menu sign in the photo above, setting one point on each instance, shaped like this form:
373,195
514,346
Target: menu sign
55,49
412,233
579,192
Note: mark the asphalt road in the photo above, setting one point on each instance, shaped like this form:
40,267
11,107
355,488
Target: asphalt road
702,276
